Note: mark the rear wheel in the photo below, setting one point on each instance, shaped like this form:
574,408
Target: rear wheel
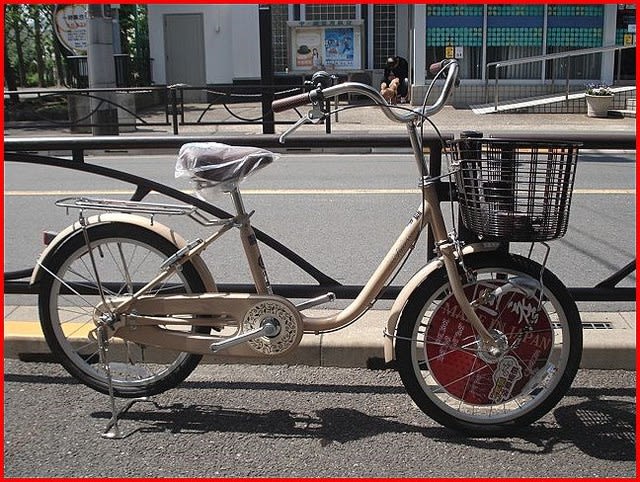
453,378
125,255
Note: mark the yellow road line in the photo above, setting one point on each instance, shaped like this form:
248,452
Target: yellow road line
604,191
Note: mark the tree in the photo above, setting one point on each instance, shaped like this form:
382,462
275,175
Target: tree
9,73
35,12
134,39
14,21
34,55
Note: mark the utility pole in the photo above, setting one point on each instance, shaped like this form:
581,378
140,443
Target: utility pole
101,69
266,67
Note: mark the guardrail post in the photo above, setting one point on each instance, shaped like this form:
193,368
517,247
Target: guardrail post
266,68
327,120
486,85
495,94
174,109
568,69
77,155
471,147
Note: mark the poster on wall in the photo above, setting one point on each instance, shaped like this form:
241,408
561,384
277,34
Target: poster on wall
307,46
338,47
328,46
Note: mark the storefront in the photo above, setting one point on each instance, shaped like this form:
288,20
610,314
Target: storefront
360,37
480,34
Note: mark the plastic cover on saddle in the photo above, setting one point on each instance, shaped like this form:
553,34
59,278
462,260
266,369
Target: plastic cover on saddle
213,167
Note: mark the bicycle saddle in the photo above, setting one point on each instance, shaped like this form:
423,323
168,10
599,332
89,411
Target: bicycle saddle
213,164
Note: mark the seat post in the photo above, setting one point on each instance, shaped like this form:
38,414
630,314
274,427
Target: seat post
251,248
237,201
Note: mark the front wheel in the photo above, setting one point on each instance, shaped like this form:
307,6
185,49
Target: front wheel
123,256
455,380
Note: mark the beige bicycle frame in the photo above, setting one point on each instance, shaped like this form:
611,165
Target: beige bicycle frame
407,239
404,243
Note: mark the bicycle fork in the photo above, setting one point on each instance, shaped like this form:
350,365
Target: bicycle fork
446,246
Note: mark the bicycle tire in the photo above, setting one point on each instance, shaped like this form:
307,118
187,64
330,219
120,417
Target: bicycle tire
132,253
449,376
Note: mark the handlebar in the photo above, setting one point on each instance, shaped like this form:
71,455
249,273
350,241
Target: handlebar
290,102
404,117
436,67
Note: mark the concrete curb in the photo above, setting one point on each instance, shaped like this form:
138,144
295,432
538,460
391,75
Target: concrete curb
609,342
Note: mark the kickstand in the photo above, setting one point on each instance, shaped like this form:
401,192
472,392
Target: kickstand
112,430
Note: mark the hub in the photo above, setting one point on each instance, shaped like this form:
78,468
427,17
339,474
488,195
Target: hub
493,354
271,327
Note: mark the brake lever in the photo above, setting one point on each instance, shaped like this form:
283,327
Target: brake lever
314,116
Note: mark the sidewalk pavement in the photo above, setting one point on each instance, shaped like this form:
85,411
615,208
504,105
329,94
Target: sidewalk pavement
609,342
609,337
355,119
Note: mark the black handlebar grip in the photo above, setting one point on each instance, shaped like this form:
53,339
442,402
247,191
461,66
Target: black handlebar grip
435,68
290,102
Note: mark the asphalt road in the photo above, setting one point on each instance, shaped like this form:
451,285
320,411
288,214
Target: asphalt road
261,421
340,212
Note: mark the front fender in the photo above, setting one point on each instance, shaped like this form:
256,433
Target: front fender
411,286
144,222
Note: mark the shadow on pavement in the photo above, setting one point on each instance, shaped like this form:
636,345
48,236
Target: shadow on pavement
603,429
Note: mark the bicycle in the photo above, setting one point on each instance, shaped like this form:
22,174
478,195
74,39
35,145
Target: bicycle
485,341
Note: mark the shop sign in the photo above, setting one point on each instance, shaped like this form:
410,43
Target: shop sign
70,27
449,52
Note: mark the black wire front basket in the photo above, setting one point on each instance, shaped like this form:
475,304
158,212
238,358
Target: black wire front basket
514,190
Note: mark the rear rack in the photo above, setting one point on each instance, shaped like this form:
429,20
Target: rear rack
138,207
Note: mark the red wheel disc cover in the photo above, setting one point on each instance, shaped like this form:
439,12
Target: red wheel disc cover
451,347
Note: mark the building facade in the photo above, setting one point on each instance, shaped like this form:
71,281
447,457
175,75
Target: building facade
220,44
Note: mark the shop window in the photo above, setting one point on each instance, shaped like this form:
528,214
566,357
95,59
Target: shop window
384,34
456,31
572,27
279,17
513,32
330,12
626,35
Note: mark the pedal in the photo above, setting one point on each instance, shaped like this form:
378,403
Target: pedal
305,305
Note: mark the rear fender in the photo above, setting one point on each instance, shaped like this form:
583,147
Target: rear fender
158,228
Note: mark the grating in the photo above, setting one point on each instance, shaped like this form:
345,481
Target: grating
597,325
592,325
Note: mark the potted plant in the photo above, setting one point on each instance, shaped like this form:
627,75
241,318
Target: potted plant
599,100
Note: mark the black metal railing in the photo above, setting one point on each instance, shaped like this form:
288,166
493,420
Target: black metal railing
564,57
130,71
167,106
21,150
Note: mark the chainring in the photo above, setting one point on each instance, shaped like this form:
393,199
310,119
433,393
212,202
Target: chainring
289,321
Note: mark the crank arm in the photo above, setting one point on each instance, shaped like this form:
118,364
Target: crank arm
267,329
